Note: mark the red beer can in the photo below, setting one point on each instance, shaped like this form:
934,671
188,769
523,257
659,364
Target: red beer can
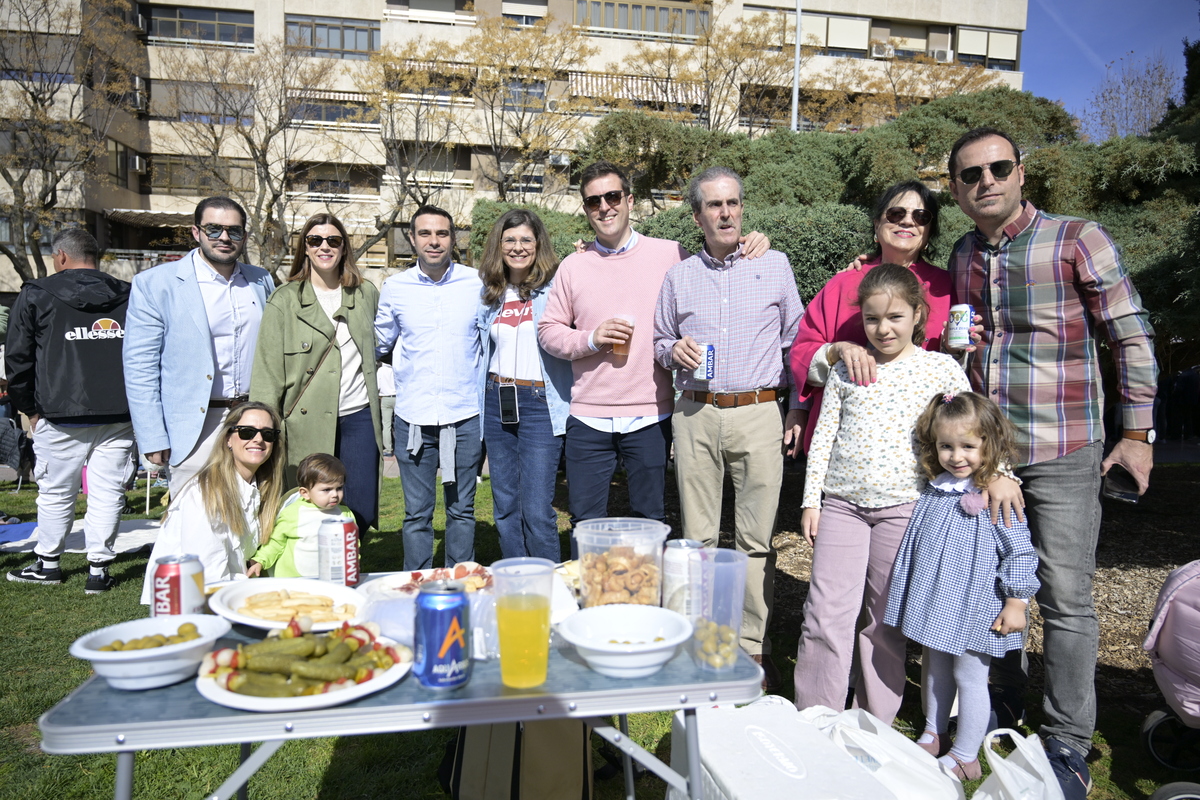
178,586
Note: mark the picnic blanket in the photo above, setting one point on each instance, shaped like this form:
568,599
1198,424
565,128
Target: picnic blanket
133,534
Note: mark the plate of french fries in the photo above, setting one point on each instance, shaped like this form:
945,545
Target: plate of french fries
273,602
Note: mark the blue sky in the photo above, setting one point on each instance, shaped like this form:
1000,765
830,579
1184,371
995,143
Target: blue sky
1067,43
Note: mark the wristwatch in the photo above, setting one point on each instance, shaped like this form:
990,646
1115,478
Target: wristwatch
1147,436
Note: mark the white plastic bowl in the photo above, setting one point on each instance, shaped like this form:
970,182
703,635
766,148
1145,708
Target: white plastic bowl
158,666
599,634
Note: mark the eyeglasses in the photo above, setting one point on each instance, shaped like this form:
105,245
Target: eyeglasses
312,240
511,243
896,215
999,169
213,232
592,203
248,432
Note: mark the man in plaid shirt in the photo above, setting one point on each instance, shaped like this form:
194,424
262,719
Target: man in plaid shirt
749,311
1045,285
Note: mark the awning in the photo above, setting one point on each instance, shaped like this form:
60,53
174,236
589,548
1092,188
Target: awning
141,218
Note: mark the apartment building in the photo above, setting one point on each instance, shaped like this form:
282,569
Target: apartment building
338,149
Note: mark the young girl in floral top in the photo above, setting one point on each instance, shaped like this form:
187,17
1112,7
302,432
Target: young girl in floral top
863,458
961,582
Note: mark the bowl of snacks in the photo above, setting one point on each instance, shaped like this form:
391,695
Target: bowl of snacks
152,652
626,641
620,560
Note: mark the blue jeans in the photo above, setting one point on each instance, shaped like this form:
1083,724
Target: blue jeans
418,476
523,462
354,444
1062,503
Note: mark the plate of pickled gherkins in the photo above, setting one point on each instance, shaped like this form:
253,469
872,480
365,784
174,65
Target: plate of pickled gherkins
299,671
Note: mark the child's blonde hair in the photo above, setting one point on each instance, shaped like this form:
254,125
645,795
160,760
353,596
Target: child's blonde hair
987,422
319,468
898,282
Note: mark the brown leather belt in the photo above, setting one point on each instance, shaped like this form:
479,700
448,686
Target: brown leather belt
515,381
228,402
734,399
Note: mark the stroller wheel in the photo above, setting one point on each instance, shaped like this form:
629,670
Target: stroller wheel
1172,743
1177,791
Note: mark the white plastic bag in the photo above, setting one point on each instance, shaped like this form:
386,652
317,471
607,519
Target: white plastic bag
1024,775
894,759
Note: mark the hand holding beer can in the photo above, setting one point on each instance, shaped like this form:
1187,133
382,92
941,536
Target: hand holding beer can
707,369
958,332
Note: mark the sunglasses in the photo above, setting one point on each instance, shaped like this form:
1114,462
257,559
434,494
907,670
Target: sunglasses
592,203
896,215
248,432
312,240
999,169
213,232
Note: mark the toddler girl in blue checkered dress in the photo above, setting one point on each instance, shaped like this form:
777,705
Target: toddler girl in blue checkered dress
961,582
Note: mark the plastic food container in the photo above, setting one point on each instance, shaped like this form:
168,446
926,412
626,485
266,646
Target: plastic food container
620,560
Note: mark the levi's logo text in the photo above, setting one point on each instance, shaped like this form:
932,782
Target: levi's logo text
104,328
514,313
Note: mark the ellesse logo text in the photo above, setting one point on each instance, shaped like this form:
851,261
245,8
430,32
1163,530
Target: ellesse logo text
101,329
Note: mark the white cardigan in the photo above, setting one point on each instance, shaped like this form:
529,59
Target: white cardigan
187,529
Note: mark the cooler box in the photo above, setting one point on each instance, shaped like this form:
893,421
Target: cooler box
764,751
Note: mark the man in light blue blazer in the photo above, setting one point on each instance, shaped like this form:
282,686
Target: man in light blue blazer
191,329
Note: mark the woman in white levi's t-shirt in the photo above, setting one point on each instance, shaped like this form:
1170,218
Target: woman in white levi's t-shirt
524,435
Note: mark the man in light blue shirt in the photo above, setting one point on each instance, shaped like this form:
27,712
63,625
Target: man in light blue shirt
426,320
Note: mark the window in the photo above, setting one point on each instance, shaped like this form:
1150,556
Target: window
170,174
5,230
528,12
204,103
118,162
522,95
332,37
202,24
663,18
335,179
331,111
990,49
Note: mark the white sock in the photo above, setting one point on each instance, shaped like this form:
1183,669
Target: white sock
96,569
48,563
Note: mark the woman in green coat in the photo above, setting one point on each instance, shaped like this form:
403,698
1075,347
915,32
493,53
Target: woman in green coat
315,362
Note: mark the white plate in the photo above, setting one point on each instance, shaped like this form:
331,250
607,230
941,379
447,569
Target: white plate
229,599
387,587
208,689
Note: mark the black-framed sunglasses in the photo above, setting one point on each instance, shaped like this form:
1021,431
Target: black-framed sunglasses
592,202
213,232
312,240
248,432
999,169
896,215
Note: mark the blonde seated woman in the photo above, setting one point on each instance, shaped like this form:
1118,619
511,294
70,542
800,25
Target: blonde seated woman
227,511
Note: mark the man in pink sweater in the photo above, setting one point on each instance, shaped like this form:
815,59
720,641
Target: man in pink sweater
602,303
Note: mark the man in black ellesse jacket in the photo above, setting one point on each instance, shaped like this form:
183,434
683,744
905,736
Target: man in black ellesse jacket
63,359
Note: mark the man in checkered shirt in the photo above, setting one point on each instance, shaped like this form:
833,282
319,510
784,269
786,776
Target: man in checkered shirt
749,311
1045,285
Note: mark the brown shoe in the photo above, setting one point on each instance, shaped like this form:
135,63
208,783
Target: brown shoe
772,680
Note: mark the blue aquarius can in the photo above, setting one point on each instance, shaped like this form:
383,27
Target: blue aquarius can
442,636
707,369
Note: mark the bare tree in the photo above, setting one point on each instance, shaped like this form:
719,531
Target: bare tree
419,102
523,112
67,81
237,116
1132,98
891,86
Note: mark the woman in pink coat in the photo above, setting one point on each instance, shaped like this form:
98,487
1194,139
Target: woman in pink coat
905,219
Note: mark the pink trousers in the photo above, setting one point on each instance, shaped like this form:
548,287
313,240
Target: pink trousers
854,551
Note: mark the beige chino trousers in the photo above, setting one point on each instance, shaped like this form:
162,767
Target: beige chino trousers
748,441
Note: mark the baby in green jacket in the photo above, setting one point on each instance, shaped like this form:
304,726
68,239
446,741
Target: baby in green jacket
292,549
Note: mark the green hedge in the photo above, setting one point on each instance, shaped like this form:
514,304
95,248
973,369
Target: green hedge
564,229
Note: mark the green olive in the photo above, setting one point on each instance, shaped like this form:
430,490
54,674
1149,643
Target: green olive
187,628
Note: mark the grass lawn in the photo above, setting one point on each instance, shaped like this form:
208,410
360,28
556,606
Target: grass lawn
41,622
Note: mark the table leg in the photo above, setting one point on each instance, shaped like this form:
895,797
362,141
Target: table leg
243,791
251,765
695,770
123,789
604,730
627,760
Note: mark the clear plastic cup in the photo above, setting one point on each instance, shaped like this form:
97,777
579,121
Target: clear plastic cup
718,591
523,588
620,560
622,348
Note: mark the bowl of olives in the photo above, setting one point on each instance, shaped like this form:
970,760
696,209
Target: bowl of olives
152,652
